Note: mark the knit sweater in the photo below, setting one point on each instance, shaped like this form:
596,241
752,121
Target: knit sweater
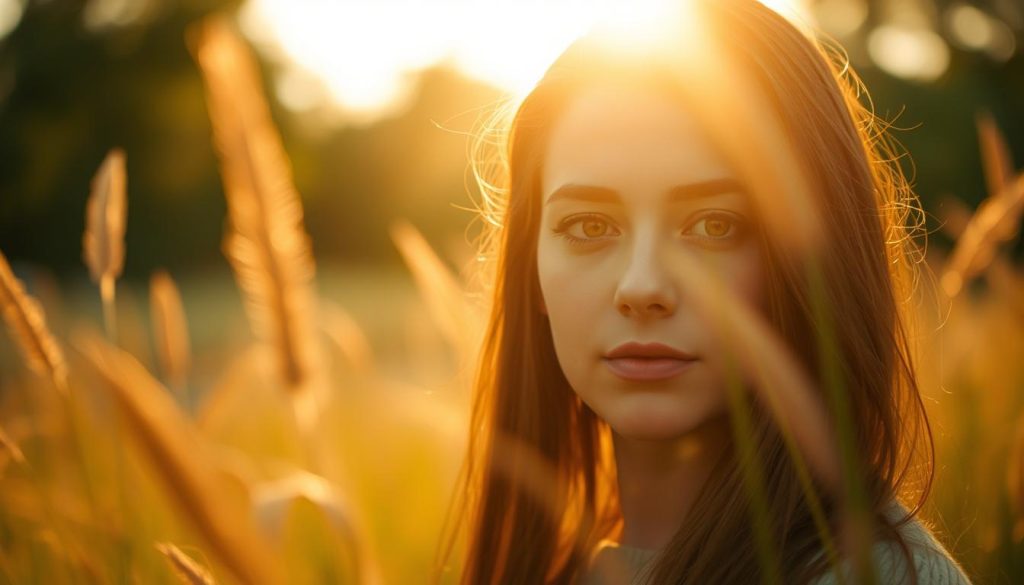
615,564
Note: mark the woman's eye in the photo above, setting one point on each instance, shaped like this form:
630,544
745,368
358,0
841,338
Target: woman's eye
716,227
584,229
593,228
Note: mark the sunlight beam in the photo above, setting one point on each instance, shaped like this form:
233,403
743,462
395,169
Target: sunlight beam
366,54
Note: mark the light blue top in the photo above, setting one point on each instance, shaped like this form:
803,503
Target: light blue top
619,565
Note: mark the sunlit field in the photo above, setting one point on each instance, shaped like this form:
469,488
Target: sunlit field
298,421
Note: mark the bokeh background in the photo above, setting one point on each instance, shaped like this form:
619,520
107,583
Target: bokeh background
374,100
376,103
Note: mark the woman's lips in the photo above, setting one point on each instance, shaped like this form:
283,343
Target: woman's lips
639,369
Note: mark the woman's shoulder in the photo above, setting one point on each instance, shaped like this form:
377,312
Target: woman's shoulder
932,562
616,564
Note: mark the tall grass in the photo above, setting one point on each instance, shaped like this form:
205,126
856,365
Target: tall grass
350,484
103,242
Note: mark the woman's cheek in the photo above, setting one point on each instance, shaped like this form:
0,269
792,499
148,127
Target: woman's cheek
743,273
573,298
741,270
748,277
565,299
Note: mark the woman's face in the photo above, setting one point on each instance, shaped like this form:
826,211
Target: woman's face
629,184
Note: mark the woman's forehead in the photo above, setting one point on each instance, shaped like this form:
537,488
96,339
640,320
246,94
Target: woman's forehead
632,140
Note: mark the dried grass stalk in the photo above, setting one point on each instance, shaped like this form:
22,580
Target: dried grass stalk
170,329
998,217
182,462
266,242
780,382
188,571
347,335
997,220
445,297
27,324
954,215
764,359
995,155
103,241
9,450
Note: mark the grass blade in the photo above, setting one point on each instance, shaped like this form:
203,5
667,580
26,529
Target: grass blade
170,330
9,450
308,517
995,155
446,300
781,382
348,336
182,463
188,571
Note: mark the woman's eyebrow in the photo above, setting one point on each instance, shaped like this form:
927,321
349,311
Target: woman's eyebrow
596,194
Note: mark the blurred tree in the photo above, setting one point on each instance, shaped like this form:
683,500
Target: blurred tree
975,50
77,78
81,78
77,86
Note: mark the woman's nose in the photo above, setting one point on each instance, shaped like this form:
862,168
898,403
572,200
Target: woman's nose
646,288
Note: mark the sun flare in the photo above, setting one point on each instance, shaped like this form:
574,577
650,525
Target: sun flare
362,57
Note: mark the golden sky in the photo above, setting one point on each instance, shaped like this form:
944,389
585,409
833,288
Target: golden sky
360,55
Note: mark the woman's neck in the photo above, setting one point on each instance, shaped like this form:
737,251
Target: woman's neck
659,480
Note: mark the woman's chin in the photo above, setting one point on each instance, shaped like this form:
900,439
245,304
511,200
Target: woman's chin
656,420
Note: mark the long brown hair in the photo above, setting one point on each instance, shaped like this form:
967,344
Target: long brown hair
538,486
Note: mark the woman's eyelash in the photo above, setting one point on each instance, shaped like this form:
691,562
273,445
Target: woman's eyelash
736,224
562,229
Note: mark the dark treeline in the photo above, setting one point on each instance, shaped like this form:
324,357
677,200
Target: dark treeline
69,92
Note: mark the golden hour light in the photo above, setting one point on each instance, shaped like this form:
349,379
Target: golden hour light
461,292
362,57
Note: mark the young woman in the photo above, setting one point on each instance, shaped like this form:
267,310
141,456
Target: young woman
724,157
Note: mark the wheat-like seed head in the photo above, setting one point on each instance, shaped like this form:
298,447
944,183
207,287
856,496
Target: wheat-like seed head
998,217
27,324
996,220
266,243
106,213
170,329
